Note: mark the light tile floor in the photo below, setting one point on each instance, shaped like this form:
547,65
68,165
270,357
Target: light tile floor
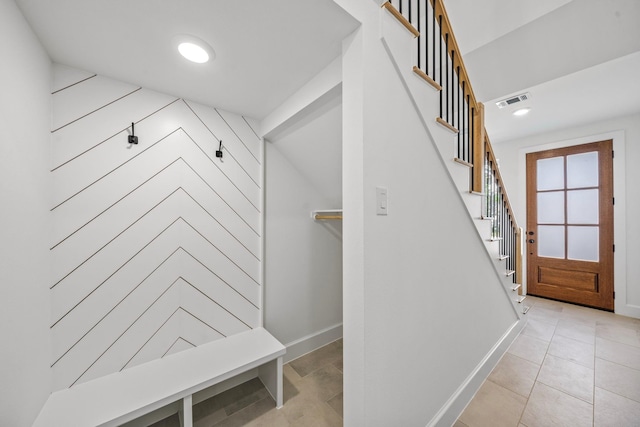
312,396
570,366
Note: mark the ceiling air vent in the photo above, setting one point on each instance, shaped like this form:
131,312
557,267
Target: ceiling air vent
513,100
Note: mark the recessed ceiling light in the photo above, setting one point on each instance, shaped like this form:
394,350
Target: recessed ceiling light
522,111
194,49
193,52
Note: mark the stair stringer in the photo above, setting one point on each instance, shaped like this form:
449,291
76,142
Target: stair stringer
400,46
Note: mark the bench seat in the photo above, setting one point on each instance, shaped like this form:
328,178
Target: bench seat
124,396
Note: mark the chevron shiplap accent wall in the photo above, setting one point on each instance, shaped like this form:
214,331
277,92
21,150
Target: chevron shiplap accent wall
156,246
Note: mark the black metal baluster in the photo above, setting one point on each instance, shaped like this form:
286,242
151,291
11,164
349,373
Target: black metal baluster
501,209
508,233
440,55
503,227
470,110
453,89
513,250
470,132
419,35
493,193
433,41
498,212
497,205
446,73
464,117
458,107
426,36
495,200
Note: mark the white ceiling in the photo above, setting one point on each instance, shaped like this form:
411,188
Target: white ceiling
477,23
578,59
265,50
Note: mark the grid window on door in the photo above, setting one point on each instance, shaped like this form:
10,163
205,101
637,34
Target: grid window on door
567,207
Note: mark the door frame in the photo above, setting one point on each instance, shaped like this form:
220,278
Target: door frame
602,295
539,143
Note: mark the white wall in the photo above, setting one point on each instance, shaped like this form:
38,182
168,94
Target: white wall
303,259
25,113
423,304
625,132
156,247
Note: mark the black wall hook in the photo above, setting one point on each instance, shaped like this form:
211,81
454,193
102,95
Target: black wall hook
133,139
219,151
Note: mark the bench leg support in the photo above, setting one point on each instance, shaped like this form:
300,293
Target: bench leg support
271,376
186,412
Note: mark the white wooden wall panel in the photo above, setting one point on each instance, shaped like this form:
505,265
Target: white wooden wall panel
87,205
209,199
63,76
86,97
235,171
117,286
255,127
97,128
83,245
156,246
212,119
84,285
194,262
99,308
195,331
178,345
241,128
196,327
88,351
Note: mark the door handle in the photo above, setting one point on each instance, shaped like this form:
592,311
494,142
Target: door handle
531,233
531,241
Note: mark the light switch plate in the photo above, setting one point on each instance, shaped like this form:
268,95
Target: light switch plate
382,206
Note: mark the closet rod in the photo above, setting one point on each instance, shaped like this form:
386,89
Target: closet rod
327,216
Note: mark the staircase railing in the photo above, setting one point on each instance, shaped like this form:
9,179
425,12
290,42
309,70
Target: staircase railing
497,208
440,64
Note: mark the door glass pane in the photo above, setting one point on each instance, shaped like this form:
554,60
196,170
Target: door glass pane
582,170
551,241
551,207
550,173
583,243
582,207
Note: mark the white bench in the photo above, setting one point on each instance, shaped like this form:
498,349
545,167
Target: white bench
124,396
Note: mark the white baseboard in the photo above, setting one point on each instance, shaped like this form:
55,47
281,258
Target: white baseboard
449,413
628,310
312,342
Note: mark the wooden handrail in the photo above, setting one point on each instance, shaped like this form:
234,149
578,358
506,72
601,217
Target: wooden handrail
481,145
481,142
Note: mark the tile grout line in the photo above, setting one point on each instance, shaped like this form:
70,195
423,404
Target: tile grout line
535,380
